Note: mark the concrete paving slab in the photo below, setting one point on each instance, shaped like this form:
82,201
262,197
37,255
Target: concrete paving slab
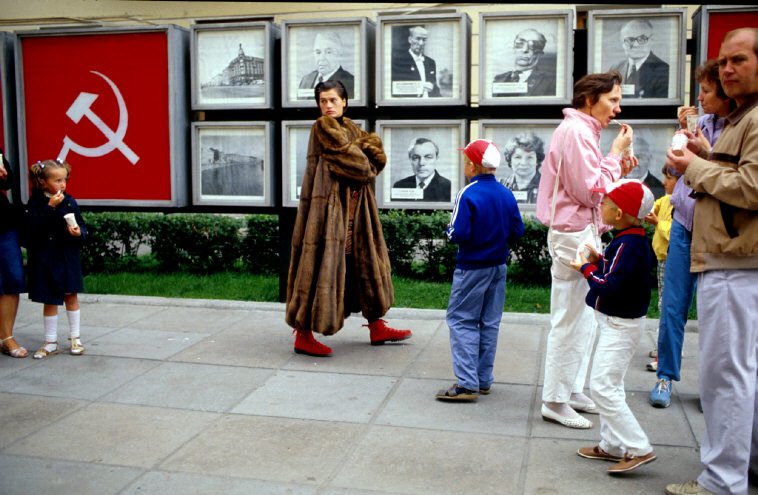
241,345
75,377
517,366
190,319
546,429
21,415
112,315
33,336
267,449
117,434
144,344
320,396
21,475
517,351
434,360
28,312
12,365
163,422
662,426
553,467
198,387
521,337
352,352
162,483
502,412
410,460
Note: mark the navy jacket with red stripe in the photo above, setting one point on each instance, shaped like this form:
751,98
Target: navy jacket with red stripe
620,281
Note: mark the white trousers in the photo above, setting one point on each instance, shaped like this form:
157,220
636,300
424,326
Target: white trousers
620,432
571,337
727,308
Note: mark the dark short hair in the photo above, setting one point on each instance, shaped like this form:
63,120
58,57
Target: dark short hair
709,71
326,86
419,142
666,172
589,88
527,141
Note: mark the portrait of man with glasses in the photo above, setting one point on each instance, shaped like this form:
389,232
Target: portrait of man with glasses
645,74
533,72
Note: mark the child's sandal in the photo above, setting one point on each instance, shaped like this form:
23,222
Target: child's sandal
77,349
43,352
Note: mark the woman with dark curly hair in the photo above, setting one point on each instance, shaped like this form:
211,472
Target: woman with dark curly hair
339,262
524,154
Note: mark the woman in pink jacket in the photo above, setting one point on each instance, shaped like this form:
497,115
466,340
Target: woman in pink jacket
574,165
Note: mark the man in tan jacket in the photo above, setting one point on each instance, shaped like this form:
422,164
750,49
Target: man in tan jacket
725,256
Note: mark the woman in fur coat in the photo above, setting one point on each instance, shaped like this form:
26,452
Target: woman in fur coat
339,262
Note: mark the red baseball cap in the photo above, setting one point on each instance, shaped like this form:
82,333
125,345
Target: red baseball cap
483,152
630,195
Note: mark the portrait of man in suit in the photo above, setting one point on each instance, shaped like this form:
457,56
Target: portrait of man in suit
534,70
423,154
645,74
647,160
327,55
414,74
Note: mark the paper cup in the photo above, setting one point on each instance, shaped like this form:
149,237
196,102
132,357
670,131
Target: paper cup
70,219
678,143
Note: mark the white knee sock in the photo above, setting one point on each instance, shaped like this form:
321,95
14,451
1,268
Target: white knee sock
73,323
51,331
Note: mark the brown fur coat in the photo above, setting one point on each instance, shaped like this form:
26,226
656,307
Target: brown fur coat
341,158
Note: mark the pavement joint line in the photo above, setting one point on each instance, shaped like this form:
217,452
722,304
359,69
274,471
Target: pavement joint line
400,313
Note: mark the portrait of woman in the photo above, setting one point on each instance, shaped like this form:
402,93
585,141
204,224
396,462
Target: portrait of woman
523,154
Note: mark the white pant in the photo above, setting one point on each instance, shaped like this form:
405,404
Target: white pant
620,433
572,334
727,309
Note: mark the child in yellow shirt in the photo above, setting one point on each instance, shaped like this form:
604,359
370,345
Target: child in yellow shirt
661,217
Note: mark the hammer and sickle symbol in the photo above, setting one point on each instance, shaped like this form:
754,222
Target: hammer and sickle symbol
82,107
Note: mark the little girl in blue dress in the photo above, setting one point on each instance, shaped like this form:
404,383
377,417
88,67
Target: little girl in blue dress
55,231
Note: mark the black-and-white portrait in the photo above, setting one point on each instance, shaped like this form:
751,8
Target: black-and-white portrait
230,67
524,147
316,52
426,182
423,164
645,49
295,137
650,143
524,56
230,163
422,59
414,72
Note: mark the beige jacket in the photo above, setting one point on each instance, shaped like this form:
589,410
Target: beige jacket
725,228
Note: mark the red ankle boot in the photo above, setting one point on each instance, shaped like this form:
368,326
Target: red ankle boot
306,343
381,333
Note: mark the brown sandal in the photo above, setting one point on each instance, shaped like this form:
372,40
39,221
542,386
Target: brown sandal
18,352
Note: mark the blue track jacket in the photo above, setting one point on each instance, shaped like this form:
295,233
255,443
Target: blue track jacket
485,219
620,282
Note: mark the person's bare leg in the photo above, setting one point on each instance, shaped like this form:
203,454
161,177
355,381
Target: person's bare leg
8,311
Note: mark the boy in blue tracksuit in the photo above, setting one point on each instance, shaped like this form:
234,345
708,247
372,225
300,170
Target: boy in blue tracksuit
485,219
619,292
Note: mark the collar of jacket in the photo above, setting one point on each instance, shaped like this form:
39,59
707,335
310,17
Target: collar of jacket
629,231
591,121
739,112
